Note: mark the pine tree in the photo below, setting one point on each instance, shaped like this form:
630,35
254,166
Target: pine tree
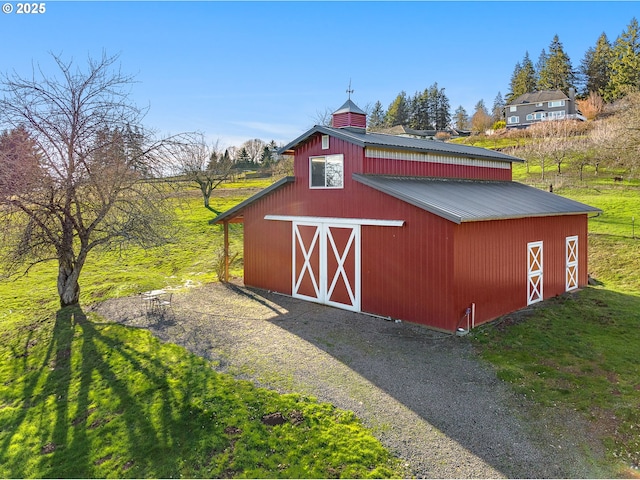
440,107
523,79
556,72
419,116
595,67
461,119
376,119
398,111
497,112
625,64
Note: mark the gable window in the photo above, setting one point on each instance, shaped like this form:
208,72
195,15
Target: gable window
325,142
556,103
513,119
327,171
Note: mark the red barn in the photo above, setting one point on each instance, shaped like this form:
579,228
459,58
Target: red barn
413,229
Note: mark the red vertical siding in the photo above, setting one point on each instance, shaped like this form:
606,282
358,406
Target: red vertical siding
491,261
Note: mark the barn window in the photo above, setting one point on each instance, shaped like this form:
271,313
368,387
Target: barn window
325,142
327,171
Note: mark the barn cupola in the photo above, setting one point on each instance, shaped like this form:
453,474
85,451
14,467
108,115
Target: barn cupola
350,117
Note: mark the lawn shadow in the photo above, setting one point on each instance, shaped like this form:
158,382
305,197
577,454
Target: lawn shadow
92,384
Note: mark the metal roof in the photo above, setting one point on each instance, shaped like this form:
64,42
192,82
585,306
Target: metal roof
537,97
349,106
236,211
474,200
394,142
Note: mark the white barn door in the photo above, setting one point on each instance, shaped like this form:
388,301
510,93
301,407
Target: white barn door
326,263
571,274
534,273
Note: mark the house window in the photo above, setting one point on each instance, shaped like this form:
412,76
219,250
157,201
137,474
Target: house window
529,117
513,109
539,104
514,119
556,103
557,115
325,142
327,171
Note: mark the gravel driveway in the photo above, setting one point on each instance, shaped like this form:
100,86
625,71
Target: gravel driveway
425,395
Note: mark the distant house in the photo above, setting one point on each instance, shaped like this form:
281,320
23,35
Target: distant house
534,107
409,228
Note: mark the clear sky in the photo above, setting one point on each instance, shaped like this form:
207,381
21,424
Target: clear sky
241,70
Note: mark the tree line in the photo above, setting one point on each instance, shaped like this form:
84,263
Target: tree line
607,70
610,70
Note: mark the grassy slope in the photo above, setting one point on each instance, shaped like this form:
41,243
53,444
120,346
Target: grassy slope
581,351
83,398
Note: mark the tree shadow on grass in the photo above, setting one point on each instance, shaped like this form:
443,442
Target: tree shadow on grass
95,383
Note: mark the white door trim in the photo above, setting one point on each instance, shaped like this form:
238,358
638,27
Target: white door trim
571,255
535,278
337,221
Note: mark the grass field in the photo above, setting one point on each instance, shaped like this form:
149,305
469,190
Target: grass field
83,398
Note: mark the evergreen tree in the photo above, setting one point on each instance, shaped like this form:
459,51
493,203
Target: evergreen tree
523,79
376,119
556,73
625,64
595,67
497,112
266,158
418,111
439,107
461,119
398,111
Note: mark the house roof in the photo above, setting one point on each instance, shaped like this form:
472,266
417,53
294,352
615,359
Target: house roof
474,200
537,97
236,211
381,140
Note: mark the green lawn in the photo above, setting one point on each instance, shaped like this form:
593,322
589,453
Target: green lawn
80,397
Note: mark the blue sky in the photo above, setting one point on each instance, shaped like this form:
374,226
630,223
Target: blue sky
241,70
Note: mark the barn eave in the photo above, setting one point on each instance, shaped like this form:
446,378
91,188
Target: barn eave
235,213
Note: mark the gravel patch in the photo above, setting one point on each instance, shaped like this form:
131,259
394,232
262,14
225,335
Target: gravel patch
426,395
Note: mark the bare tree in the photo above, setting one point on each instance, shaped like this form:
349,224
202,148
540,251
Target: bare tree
202,163
80,170
254,148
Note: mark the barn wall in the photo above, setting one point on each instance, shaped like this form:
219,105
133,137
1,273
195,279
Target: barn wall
490,266
381,166
406,270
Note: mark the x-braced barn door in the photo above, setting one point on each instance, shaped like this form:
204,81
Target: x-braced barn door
326,263
534,272
571,275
